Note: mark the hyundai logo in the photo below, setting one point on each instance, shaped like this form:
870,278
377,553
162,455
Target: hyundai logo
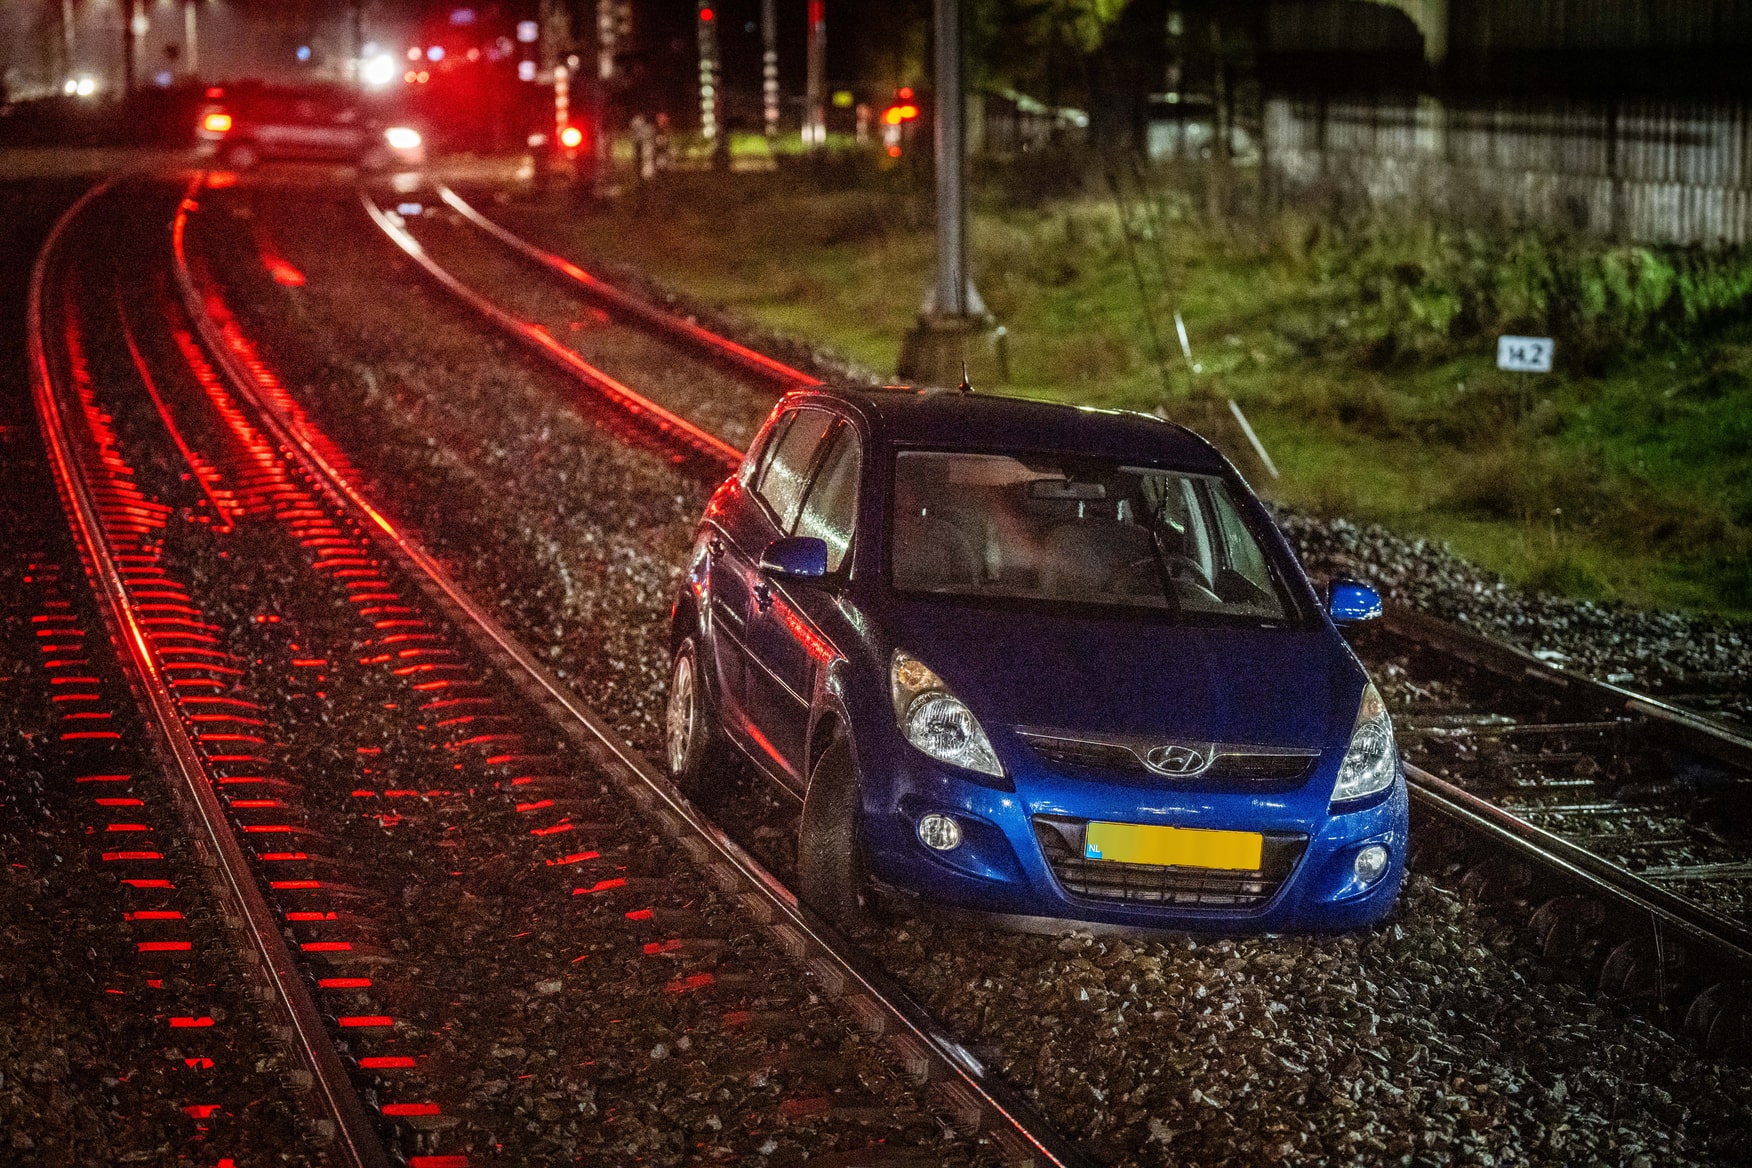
1178,760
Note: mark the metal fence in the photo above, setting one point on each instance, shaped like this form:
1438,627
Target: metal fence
1639,170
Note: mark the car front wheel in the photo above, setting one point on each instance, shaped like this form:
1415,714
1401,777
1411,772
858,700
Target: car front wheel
830,860
692,746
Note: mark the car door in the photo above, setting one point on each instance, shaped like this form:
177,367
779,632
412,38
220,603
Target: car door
762,512
785,647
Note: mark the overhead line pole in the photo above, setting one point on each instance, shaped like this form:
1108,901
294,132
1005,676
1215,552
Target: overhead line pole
769,66
815,87
935,351
191,48
951,145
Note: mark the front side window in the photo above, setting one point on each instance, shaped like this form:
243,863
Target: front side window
786,473
831,507
1086,531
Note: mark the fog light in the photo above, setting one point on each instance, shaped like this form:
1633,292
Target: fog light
1370,863
939,832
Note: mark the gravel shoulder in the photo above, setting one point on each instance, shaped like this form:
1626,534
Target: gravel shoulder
1437,1037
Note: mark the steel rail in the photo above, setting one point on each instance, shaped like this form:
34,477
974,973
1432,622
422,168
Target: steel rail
708,446
870,994
1702,734
355,1137
1728,941
651,316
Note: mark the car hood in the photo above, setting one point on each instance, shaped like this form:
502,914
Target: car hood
1233,683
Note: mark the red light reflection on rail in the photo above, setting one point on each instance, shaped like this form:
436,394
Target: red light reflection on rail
601,886
386,1062
693,981
411,1109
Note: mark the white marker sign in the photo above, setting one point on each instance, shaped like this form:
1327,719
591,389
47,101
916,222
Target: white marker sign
1525,354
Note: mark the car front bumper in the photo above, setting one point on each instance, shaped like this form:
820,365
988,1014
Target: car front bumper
1001,869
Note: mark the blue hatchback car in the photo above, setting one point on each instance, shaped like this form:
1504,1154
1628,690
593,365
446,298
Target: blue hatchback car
1051,664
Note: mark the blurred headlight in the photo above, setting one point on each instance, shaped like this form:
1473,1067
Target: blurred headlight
935,720
1371,762
402,138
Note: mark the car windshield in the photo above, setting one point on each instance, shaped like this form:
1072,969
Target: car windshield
1042,527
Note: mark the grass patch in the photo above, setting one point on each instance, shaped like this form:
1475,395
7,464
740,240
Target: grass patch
1363,353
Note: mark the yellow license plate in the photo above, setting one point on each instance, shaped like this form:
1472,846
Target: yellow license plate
1182,847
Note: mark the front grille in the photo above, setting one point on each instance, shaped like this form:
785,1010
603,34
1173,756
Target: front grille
1098,756
1253,765
1061,840
1262,768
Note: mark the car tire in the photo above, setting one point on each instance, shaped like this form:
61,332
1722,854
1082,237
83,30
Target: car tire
693,746
830,860
241,156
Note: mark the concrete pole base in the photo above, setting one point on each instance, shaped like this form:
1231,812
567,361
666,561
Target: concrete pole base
932,352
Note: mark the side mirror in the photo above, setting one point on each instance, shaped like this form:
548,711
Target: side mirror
1351,600
796,557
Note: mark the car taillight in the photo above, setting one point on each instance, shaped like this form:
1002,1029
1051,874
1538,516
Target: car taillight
216,123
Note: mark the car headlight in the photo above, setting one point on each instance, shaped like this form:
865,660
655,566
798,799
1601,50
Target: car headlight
402,137
936,721
1372,760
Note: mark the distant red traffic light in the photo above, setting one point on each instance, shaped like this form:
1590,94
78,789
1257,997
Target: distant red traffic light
571,137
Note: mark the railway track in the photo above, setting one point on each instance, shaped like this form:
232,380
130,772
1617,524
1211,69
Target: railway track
1512,824
394,791
132,1026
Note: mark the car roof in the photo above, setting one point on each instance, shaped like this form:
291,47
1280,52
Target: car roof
909,416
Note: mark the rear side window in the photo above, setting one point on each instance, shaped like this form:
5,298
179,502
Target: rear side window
832,506
786,474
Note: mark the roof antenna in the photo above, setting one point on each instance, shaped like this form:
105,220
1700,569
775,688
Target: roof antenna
966,386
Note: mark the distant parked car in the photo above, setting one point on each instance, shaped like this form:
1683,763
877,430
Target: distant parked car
1053,664
244,125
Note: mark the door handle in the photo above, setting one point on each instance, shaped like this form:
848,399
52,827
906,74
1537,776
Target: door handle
763,596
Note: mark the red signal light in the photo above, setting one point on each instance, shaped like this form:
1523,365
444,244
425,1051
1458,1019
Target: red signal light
707,16
571,137
904,93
